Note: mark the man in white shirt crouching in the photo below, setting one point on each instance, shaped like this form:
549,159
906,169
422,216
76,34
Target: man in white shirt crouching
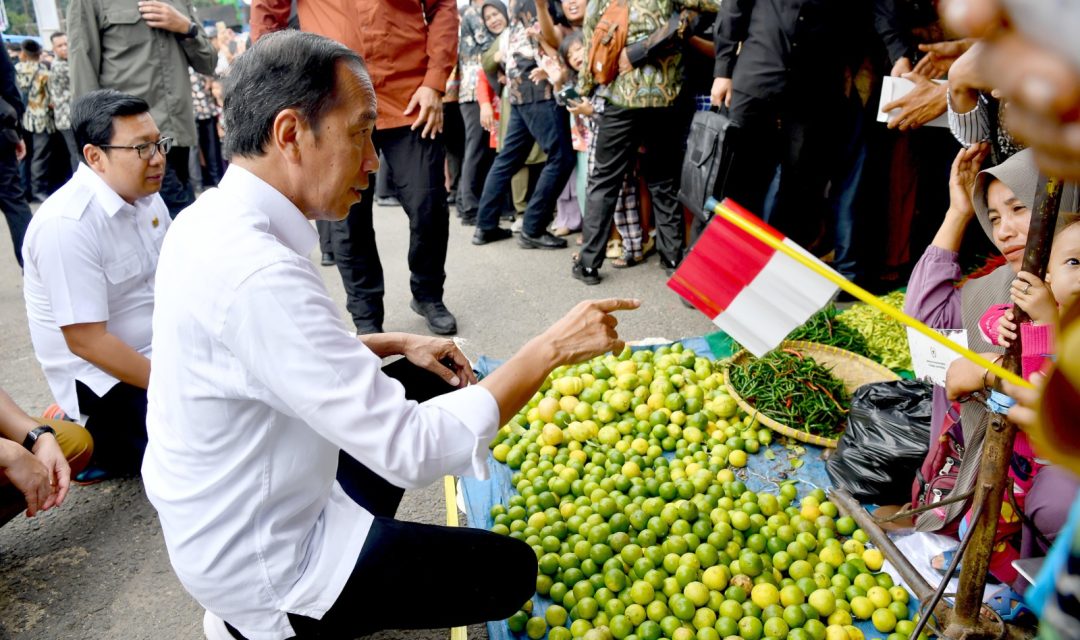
279,446
90,253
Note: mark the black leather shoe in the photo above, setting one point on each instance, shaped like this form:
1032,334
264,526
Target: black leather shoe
468,221
484,236
543,241
439,319
669,267
327,259
587,275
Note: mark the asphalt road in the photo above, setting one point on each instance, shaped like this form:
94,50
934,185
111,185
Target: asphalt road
97,567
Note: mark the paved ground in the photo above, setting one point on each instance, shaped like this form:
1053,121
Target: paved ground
97,568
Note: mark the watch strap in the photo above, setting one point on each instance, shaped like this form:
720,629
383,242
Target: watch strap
37,432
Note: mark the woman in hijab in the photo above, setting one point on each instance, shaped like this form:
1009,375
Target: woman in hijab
1001,198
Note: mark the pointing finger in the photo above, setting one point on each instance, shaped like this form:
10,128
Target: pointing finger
616,304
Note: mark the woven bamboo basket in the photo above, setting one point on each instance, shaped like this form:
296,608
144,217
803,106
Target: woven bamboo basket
850,368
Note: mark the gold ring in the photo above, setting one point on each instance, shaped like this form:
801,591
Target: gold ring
1027,288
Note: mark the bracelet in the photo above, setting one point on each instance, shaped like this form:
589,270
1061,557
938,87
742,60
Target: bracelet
32,437
986,372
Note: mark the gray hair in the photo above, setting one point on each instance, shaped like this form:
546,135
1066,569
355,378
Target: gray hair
283,70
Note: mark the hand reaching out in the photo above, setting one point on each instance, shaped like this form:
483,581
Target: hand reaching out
922,104
441,357
940,56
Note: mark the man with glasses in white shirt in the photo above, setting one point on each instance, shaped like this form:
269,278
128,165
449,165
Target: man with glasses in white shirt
90,254
279,444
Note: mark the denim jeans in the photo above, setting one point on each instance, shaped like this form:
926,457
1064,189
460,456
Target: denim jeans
549,125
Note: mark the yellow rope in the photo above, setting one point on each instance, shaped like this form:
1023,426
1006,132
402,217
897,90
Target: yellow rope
862,294
450,490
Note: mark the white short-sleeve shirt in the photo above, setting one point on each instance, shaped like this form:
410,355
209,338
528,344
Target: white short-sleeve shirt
257,385
90,257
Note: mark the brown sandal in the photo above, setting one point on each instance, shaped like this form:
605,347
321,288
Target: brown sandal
626,261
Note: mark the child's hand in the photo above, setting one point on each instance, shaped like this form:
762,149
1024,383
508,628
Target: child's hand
1006,329
962,378
538,75
1032,295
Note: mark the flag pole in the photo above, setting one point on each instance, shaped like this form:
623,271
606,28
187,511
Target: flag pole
861,294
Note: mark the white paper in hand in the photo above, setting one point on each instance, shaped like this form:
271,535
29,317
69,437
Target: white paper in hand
931,360
896,88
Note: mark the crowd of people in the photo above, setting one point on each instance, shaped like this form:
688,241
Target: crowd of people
504,112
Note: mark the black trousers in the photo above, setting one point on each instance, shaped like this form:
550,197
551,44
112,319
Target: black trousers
176,188
453,138
796,137
117,421
490,576
12,202
478,158
414,171
326,244
74,153
619,134
210,145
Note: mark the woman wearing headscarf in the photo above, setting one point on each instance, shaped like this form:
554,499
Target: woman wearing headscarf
1001,199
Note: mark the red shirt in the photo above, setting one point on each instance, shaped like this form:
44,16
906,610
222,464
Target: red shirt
405,43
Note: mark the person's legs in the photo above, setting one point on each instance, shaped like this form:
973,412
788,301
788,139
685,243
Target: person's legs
73,151
39,166
117,422
326,243
453,143
549,124
75,441
176,186
516,146
12,203
210,145
492,576
755,144
807,159
476,162
416,173
616,144
660,167
357,258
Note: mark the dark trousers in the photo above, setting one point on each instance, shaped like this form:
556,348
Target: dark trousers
493,575
453,137
74,154
117,421
35,166
619,134
798,139
176,188
12,202
545,123
414,170
478,158
210,145
326,243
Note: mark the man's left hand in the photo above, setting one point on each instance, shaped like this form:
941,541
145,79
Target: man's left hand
431,113
922,104
433,354
164,16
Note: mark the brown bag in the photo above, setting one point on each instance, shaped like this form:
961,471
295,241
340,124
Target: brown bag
608,40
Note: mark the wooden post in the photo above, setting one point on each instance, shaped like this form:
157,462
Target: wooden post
998,445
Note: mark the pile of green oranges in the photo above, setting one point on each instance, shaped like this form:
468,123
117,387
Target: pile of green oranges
633,544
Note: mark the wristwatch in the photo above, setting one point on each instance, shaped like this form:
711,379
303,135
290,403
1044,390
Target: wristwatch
32,437
192,31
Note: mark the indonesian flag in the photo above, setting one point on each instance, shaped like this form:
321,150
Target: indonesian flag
754,293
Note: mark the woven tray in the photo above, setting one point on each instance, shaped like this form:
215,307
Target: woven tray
850,368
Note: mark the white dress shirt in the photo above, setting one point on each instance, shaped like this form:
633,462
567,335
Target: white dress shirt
90,257
257,384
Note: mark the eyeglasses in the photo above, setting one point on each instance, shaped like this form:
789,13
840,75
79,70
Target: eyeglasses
146,150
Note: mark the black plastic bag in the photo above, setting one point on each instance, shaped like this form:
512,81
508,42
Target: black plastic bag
886,440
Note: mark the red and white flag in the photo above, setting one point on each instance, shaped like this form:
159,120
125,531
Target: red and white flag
754,293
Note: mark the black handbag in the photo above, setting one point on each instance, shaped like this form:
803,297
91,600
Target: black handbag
707,161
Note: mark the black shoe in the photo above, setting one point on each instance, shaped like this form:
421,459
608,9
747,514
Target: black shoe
587,275
468,221
327,259
543,241
439,319
509,216
388,201
484,236
669,267
365,329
